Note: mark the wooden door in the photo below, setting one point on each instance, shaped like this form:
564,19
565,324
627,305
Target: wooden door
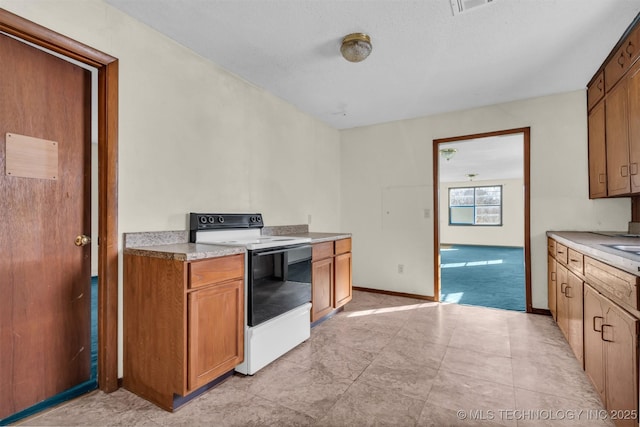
593,345
574,296
551,283
616,123
597,153
562,308
216,331
620,333
633,86
321,288
343,277
44,277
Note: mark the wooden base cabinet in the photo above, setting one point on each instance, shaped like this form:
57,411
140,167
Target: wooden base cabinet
343,276
552,286
569,309
611,354
183,324
331,277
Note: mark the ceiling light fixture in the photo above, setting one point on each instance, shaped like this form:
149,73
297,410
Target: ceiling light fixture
448,153
472,175
356,47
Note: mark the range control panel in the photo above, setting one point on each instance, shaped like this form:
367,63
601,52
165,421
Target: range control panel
210,221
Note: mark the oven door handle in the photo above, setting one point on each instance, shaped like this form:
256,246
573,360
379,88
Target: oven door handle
280,250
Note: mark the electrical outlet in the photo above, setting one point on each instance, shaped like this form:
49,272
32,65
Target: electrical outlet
400,268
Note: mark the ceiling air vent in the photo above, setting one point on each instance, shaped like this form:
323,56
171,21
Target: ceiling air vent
462,6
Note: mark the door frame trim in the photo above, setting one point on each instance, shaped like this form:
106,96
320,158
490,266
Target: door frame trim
526,132
107,67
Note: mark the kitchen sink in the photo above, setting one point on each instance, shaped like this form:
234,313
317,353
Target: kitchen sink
634,249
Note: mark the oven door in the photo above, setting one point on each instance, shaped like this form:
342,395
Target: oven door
279,280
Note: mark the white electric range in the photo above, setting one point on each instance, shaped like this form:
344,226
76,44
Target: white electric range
277,284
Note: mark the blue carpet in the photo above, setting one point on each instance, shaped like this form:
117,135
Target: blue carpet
488,276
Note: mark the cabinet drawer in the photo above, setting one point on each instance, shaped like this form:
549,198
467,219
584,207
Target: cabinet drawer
343,246
321,251
595,91
551,244
576,261
216,270
618,285
562,254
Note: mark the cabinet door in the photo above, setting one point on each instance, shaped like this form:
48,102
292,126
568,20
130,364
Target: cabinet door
562,309
216,331
343,285
551,273
593,344
322,288
597,153
574,296
633,87
620,333
616,124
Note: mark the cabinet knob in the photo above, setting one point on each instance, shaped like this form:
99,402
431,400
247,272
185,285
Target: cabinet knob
599,85
602,178
621,60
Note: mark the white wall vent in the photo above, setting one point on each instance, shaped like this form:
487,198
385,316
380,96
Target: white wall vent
461,6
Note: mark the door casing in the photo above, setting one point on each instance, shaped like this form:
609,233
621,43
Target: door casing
527,207
107,67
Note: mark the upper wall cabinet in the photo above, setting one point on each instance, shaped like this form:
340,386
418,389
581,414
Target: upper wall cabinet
613,102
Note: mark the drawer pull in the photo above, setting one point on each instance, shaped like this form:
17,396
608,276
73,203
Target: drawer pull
602,178
574,260
602,333
566,292
561,252
633,169
624,170
594,323
561,287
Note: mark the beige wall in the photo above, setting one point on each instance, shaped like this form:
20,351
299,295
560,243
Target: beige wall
510,233
196,138
193,137
399,155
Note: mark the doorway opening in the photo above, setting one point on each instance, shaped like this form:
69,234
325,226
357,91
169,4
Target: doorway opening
481,226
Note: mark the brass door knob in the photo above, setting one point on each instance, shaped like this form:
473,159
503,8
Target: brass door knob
82,240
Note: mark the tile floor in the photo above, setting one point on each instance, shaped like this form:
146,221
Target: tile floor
386,360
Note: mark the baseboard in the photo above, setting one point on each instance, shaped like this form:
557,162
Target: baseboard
396,294
542,311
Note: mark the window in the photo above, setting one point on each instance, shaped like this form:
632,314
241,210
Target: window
475,205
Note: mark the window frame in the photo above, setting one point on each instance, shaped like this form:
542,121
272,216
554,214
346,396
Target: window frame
475,206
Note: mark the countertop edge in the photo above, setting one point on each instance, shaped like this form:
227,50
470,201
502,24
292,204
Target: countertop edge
595,246
185,251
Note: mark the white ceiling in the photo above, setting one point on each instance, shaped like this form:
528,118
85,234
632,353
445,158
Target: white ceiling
491,158
425,60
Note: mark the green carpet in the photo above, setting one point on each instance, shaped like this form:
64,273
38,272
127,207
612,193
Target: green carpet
488,276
